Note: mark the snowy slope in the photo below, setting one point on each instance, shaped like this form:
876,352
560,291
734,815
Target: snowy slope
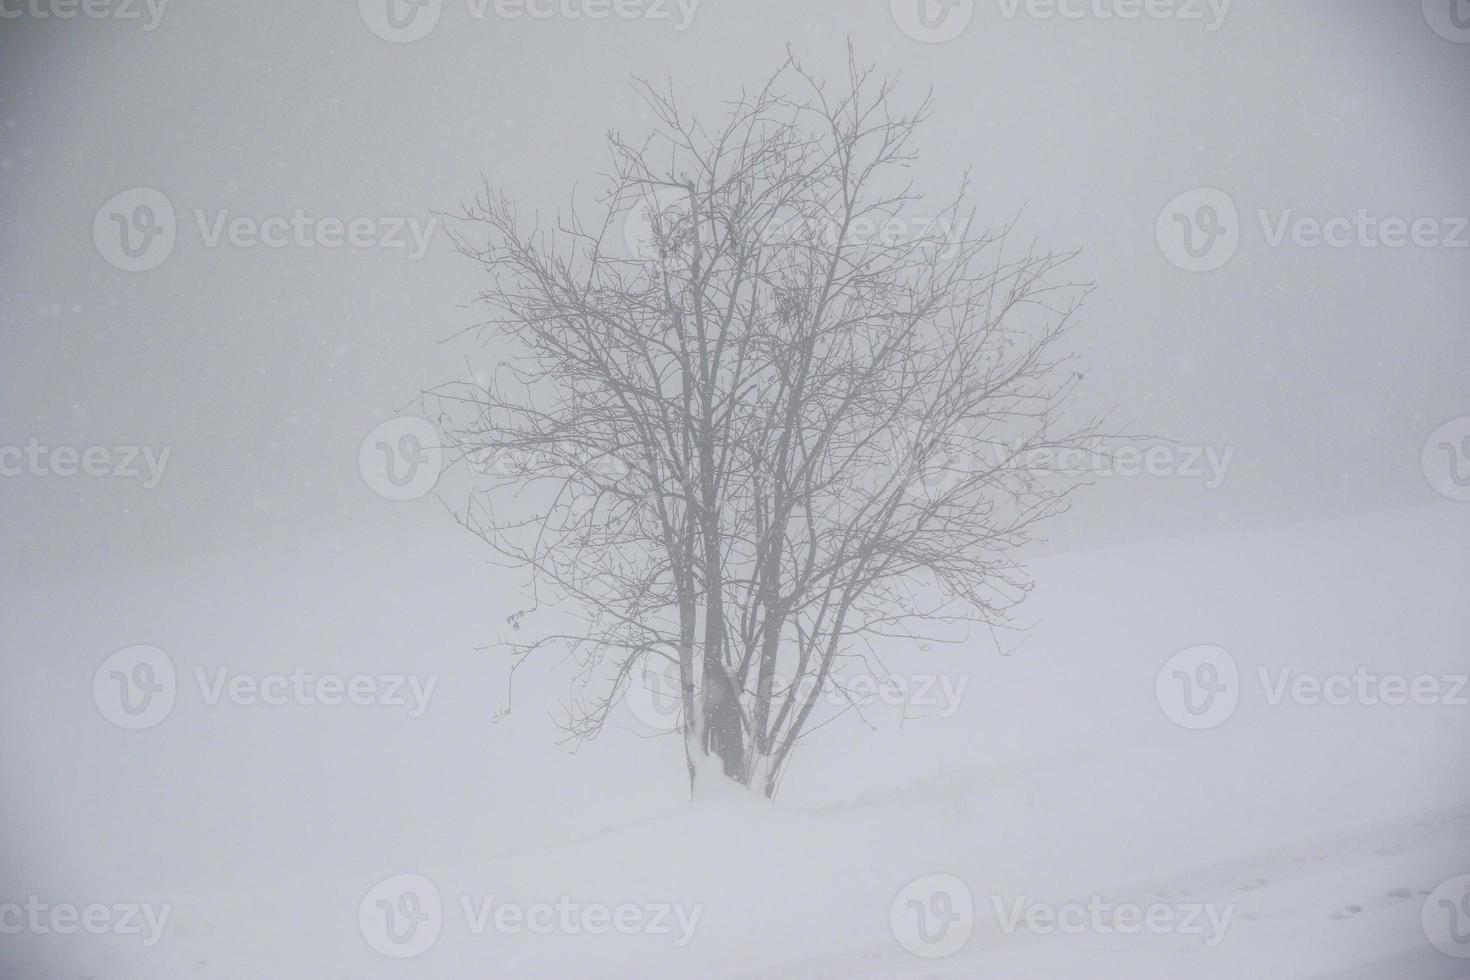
1321,830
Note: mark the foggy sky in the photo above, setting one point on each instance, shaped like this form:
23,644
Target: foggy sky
262,369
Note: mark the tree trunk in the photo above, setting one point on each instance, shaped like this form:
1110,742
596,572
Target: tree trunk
722,728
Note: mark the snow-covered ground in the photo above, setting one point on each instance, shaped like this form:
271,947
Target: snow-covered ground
1290,840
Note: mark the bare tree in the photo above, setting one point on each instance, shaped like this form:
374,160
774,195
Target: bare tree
792,421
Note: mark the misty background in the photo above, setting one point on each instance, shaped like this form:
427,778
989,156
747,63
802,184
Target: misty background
261,371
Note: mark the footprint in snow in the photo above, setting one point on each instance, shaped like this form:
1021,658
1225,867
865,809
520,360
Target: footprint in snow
1346,912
